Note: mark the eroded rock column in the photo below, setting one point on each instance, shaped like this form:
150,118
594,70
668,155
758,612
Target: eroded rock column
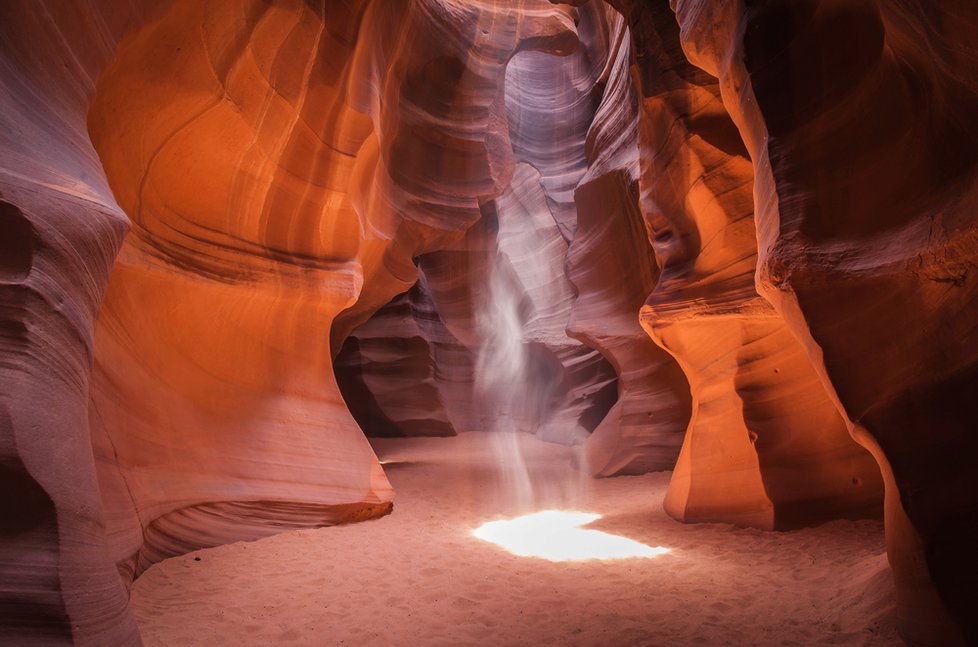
765,446
225,132
858,121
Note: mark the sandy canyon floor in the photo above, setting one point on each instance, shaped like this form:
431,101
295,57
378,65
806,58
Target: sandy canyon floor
420,577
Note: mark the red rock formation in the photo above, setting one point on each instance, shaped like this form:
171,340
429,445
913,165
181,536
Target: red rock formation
612,268
550,105
301,134
765,446
565,388
287,168
388,369
859,122
243,249
265,196
60,229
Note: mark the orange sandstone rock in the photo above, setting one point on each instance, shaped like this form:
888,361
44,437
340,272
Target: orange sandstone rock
765,445
260,178
857,119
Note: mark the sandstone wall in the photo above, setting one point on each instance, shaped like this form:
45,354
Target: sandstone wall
201,202
765,446
858,117
269,156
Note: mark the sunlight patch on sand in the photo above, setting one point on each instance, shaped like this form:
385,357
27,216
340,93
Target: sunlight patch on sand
557,535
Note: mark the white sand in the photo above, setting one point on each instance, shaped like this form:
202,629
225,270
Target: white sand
419,576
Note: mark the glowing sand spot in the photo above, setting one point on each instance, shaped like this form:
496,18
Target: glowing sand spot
556,535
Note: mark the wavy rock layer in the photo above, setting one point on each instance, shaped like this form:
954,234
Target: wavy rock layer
567,280
859,121
60,229
613,269
268,156
388,369
280,187
550,104
765,446
285,168
211,351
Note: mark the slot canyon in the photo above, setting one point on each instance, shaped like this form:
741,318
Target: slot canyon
488,322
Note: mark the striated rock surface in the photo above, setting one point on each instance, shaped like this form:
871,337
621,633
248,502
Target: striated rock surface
503,288
612,267
529,372
858,119
279,188
203,205
554,386
268,156
431,74
60,229
765,446
388,369
215,416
